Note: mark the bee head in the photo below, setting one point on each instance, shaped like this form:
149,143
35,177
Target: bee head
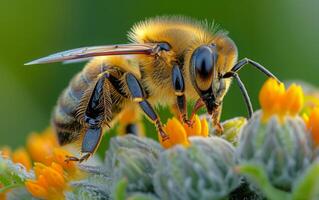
204,75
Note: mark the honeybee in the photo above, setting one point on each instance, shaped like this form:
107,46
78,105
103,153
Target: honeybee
170,61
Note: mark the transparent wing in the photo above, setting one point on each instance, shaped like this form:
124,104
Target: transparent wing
87,52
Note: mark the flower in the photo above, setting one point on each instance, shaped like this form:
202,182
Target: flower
275,100
312,123
178,133
199,127
50,182
202,171
51,170
52,173
282,148
276,137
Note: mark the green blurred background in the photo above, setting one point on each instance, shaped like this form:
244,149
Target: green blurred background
282,35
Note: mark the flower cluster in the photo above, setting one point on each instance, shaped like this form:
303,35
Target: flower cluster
51,172
179,133
274,99
273,155
312,123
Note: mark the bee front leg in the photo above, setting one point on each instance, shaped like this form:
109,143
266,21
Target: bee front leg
179,88
138,95
216,119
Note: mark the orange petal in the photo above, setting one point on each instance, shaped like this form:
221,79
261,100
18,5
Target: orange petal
36,190
21,156
59,156
270,97
313,125
194,130
40,148
176,133
293,100
57,167
38,168
42,182
53,177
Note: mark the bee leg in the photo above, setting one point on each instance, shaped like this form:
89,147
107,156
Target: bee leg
139,96
90,142
94,116
179,88
76,159
216,119
198,105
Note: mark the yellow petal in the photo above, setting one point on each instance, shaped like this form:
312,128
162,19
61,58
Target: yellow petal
305,118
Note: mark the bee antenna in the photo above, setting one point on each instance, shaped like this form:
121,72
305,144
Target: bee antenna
255,64
243,91
233,73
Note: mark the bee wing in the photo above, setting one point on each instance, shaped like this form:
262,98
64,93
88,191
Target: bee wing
87,52
76,61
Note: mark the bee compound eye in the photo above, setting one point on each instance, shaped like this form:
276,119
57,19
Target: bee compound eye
203,62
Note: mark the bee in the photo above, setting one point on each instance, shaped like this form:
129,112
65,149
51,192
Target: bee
169,61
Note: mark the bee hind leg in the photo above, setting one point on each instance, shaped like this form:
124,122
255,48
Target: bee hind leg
90,143
94,116
76,159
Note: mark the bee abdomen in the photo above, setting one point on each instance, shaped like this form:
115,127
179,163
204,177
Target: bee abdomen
72,95
64,117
